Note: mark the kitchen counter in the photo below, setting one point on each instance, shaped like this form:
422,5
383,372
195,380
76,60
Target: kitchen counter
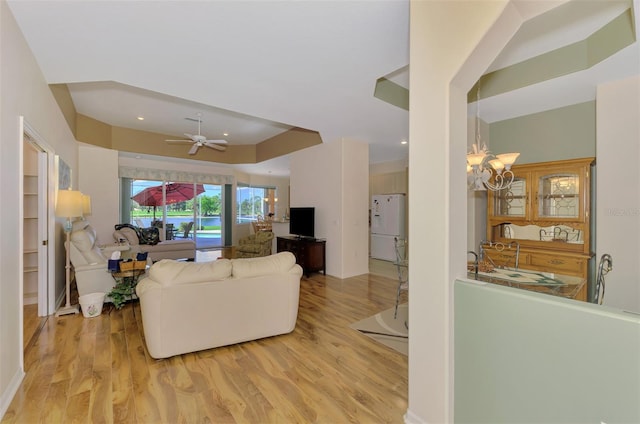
555,284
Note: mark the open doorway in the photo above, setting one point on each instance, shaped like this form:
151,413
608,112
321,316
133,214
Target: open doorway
38,282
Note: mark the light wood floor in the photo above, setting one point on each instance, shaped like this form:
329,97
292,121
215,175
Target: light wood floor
98,369
32,323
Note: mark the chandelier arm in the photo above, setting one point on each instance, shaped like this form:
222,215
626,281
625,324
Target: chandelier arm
502,181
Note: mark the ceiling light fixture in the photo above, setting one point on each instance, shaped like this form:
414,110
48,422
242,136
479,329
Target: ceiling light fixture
140,118
481,163
404,141
225,134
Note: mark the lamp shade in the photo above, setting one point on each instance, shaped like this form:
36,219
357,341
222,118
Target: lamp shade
69,203
475,159
86,205
497,165
508,159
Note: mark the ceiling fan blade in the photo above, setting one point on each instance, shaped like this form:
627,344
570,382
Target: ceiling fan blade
193,149
179,141
216,141
215,146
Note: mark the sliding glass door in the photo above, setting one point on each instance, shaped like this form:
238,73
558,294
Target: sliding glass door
180,210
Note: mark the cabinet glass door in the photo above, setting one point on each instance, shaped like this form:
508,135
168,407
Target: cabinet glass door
512,202
559,196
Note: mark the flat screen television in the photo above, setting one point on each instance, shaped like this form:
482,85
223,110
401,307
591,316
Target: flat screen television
302,222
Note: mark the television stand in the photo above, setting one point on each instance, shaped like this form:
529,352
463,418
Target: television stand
310,253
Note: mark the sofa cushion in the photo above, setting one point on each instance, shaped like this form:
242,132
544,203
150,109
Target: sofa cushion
168,272
253,267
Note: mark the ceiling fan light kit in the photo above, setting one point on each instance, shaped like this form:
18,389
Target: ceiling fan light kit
198,140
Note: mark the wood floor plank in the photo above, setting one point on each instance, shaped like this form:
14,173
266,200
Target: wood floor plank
213,408
98,369
123,407
77,410
101,399
82,377
53,408
231,380
68,351
278,390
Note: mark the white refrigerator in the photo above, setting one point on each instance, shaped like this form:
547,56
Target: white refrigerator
387,222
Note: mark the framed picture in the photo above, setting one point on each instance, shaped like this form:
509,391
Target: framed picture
64,174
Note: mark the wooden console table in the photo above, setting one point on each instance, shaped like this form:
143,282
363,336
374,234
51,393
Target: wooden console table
310,253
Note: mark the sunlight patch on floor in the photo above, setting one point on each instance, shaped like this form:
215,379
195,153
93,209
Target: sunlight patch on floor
208,255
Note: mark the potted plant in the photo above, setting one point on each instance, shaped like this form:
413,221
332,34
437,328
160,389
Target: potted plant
124,290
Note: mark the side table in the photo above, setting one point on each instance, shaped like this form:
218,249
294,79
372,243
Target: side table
125,288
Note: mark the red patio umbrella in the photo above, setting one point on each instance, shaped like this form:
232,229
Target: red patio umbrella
175,193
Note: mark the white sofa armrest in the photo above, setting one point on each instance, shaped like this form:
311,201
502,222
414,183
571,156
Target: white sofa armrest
108,249
100,266
93,278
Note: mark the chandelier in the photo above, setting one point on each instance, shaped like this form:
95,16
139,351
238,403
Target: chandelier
482,165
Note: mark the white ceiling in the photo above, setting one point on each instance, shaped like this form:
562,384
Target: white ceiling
570,22
311,64
257,68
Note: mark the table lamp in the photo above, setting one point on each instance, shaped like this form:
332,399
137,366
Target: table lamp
69,205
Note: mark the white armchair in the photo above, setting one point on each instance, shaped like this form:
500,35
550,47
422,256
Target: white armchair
89,260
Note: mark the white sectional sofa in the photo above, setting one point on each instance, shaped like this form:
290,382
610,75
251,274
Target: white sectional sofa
168,249
191,306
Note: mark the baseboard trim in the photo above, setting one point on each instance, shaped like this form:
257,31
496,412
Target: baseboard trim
411,418
12,389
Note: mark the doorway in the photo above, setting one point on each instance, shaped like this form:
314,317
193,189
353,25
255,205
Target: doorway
37,288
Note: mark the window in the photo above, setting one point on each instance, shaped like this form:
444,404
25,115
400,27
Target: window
184,210
253,202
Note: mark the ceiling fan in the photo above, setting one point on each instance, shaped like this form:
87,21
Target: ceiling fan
199,140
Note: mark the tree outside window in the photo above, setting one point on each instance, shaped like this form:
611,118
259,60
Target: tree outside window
250,202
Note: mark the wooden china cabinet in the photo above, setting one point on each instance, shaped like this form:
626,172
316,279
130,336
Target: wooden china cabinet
547,210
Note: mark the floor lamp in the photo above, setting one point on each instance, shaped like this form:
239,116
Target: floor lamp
69,206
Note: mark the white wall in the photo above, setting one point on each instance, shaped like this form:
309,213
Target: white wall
23,91
389,167
618,189
355,208
438,207
99,179
319,176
